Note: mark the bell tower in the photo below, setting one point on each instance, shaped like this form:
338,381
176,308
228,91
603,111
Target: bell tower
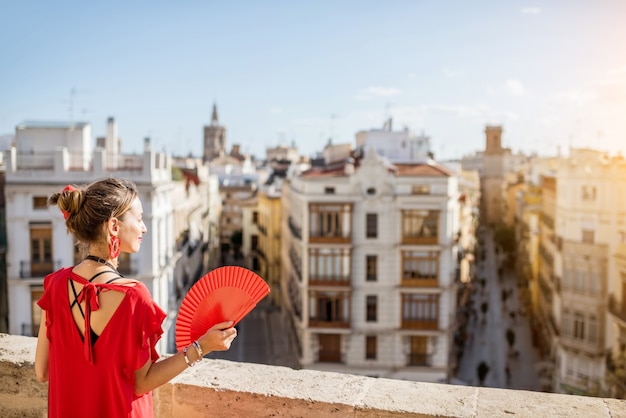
214,138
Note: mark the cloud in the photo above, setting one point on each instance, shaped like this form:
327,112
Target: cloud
514,87
531,10
608,90
372,92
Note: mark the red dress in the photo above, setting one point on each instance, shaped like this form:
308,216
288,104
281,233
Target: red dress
98,380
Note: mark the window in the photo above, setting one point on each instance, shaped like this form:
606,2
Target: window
420,189
35,294
40,202
371,225
371,308
329,265
566,326
418,355
370,347
371,191
329,190
420,311
330,348
420,268
40,248
579,326
592,336
330,222
254,242
588,236
371,267
255,217
329,309
588,193
420,226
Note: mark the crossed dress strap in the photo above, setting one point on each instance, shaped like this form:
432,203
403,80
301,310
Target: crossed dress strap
89,293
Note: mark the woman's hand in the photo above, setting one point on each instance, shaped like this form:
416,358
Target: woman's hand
218,338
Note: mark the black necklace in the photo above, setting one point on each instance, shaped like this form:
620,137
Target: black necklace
101,261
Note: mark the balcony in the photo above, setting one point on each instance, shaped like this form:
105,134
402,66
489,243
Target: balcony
420,324
318,237
325,322
33,270
296,231
329,280
231,389
419,240
423,360
296,263
617,308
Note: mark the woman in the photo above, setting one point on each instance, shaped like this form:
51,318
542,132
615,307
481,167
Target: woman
98,331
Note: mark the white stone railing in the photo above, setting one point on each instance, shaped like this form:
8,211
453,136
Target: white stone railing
219,388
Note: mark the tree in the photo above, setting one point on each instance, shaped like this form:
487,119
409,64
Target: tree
504,237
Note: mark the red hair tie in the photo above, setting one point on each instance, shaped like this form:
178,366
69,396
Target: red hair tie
68,188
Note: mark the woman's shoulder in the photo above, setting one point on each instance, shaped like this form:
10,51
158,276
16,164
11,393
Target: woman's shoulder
135,286
55,276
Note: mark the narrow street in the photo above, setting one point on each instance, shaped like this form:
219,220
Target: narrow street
262,336
495,308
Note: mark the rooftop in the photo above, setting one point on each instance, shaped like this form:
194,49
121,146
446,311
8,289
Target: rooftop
42,124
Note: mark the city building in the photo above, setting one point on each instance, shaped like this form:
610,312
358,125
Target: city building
576,302
45,158
369,264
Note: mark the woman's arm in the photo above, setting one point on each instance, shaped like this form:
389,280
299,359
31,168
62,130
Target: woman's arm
152,375
42,353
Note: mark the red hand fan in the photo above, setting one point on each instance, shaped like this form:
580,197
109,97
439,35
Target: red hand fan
225,294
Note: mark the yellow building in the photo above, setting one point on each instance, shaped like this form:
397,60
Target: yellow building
269,215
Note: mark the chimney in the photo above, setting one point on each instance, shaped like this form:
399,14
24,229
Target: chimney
111,143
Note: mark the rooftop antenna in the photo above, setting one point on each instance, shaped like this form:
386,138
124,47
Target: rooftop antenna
388,123
70,106
71,102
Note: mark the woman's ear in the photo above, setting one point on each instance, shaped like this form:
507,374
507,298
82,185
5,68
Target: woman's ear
113,225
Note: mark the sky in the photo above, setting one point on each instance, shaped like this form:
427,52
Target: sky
551,73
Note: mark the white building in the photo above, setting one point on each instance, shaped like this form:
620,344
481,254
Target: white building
588,217
48,156
397,146
369,264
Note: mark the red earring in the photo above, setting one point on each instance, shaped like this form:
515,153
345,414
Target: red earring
114,247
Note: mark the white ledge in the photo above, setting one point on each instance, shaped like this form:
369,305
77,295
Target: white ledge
230,389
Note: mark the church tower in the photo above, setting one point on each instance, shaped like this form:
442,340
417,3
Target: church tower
492,179
214,138
494,140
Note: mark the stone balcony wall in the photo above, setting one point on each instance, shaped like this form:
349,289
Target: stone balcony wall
218,388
